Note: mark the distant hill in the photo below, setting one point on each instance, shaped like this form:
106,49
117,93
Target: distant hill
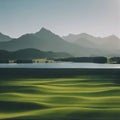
4,38
27,54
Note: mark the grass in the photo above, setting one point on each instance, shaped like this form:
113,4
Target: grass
82,97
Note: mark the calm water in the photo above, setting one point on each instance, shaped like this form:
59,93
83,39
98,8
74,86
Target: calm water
60,65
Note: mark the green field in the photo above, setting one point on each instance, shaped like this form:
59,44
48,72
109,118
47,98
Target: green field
82,97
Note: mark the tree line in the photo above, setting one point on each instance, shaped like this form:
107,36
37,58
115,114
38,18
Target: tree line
102,59
115,60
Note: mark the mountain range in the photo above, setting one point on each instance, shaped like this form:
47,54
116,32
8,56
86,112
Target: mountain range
107,43
76,45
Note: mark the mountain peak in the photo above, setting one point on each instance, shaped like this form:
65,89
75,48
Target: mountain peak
112,37
43,31
86,35
74,37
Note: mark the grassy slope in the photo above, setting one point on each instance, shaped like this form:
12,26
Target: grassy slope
93,97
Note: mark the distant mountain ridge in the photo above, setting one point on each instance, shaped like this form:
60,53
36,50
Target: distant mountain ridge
76,45
107,43
29,54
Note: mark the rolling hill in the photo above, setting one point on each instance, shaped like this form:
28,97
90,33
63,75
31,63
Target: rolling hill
28,54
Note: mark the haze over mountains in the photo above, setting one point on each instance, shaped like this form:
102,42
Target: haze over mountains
76,45
108,43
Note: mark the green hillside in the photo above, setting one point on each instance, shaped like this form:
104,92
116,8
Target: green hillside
91,97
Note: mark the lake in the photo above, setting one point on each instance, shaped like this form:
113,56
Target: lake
61,65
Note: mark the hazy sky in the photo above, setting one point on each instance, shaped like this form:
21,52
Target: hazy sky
96,17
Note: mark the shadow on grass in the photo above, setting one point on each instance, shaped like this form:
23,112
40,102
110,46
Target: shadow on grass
12,73
50,73
13,106
74,115
20,89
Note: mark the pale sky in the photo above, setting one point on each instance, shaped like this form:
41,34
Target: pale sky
95,17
